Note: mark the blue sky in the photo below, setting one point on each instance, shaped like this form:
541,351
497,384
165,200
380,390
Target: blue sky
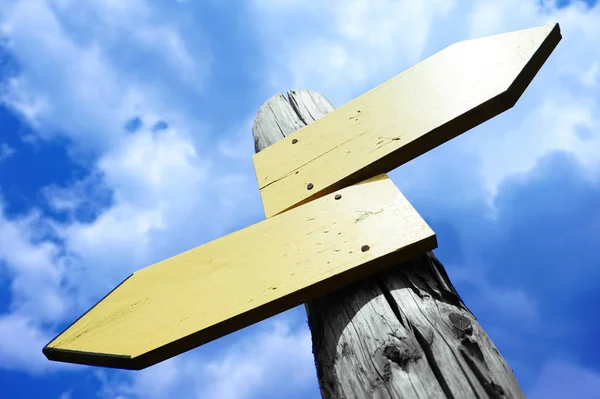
125,138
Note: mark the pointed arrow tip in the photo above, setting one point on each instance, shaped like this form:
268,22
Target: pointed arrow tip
545,39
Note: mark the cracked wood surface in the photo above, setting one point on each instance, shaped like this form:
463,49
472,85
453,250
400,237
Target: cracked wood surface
404,333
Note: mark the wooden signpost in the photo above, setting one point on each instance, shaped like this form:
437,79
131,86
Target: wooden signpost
334,220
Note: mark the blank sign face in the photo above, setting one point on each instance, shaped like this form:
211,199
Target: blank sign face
434,101
247,276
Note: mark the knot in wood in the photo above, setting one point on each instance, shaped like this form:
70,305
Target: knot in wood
392,352
401,356
459,321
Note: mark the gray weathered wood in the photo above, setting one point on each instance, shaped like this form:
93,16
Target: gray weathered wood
405,333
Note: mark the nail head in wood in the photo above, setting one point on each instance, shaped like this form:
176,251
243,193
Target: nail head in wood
294,141
365,248
338,196
309,186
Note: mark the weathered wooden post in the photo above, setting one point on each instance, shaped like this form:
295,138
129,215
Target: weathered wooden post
404,333
340,237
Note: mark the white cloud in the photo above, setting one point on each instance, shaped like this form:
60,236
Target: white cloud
65,395
277,359
36,270
559,110
154,194
6,152
364,43
164,200
341,47
72,82
510,303
20,346
30,259
559,379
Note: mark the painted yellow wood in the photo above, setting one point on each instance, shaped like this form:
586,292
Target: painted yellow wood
434,101
249,275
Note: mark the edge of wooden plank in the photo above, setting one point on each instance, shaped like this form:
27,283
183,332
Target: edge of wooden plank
90,358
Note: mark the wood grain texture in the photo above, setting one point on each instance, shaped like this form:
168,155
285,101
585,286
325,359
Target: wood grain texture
247,276
404,333
436,100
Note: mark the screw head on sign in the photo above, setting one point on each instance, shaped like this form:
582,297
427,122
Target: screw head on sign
365,248
338,196
309,186
294,141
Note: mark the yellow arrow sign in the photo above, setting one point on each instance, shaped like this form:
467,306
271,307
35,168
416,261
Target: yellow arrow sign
247,276
434,101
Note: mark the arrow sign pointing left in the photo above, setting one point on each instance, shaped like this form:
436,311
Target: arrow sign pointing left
247,276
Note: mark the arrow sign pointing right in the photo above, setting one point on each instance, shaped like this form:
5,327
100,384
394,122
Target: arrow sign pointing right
436,100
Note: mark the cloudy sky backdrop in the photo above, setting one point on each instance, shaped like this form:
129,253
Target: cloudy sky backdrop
125,139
